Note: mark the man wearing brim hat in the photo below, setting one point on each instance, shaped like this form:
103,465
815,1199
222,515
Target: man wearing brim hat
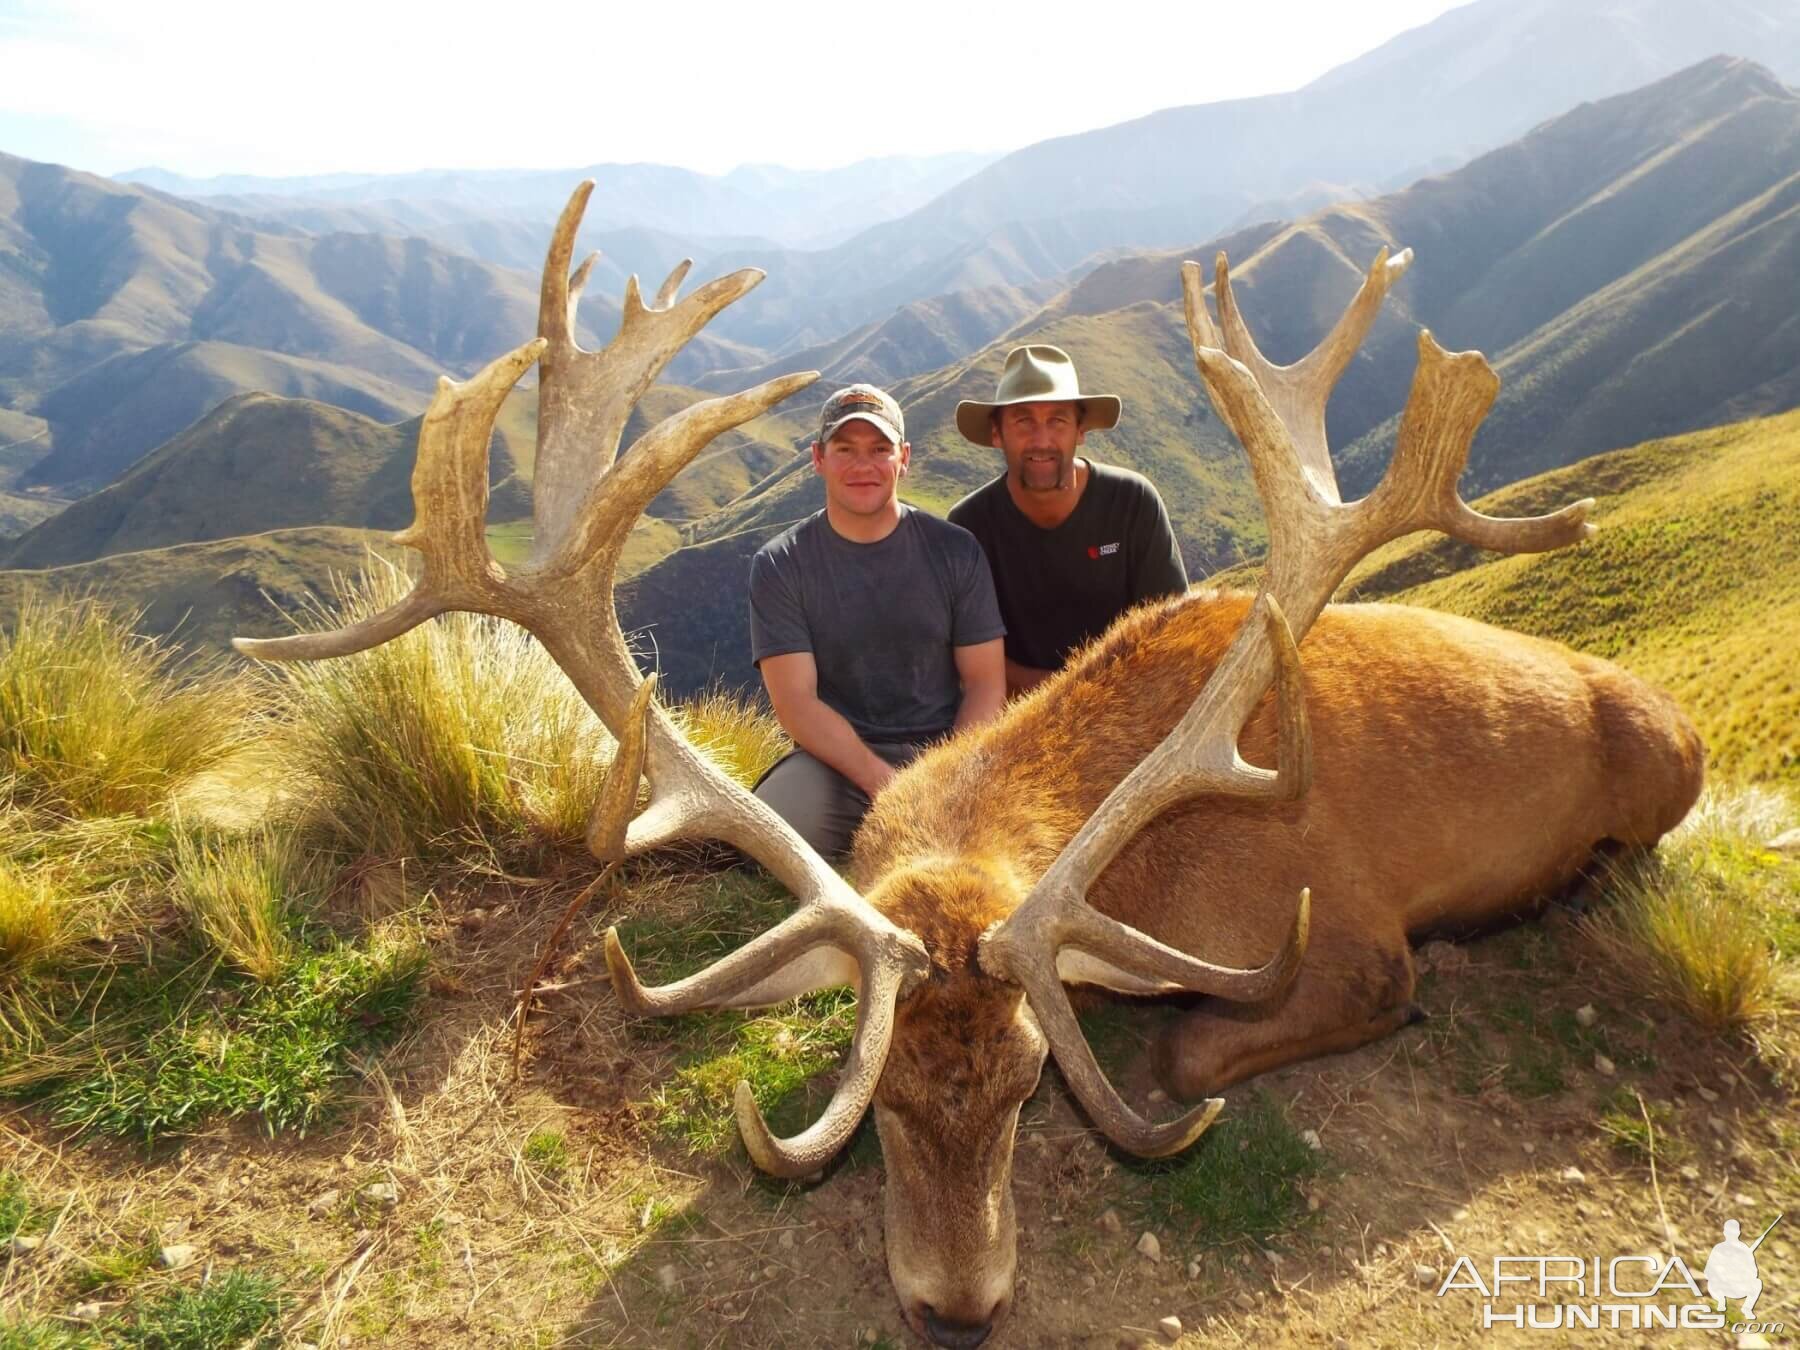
1072,543
873,623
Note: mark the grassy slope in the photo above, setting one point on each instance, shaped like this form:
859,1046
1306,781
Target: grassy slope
1693,580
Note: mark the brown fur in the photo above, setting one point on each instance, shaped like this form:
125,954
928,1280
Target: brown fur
1461,773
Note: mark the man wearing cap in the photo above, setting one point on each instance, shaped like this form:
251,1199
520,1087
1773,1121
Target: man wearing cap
1072,543
873,623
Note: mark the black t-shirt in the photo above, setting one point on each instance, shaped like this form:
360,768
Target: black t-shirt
1059,588
882,620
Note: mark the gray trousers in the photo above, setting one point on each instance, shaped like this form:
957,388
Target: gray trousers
822,805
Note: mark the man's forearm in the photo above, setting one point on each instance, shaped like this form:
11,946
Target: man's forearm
823,733
1019,677
979,703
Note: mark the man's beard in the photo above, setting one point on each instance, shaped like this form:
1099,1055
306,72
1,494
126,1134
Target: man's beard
1058,468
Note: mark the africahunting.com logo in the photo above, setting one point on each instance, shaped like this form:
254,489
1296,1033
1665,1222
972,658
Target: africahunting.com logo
1565,1293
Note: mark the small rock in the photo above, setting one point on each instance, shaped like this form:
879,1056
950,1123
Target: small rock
1529,1147
474,920
1707,1095
870,1335
88,1312
1193,1269
324,1201
1690,1173
1110,1222
1424,1276
382,1193
1586,1016
1313,1202
1170,1327
1604,1066
667,1278
1459,1216
1244,1301
1273,1258
1090,1280
1716,1125
1149,1248
786,1240
1782,1249
24,1246
178,1257
1311,1139
1584,1209
1743,1201
1574,1176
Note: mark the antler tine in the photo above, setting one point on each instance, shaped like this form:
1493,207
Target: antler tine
1298,393
1049,1001
665,295
585,397
450,495
1451,394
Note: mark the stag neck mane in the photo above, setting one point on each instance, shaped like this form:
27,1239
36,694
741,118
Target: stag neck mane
958,839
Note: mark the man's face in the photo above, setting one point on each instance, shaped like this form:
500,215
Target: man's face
1039,441
861,467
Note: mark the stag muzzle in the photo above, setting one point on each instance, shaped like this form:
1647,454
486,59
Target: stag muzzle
951,1232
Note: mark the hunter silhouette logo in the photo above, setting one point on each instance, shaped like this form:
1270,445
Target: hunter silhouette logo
1731,1268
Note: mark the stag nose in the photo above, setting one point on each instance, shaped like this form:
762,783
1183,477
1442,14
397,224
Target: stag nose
955,1335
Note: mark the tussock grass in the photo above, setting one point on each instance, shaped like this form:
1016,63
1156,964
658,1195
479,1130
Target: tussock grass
34,919
463,735
235,891
1708,924
95,721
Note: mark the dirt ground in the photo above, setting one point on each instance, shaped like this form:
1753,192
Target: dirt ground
1455,1137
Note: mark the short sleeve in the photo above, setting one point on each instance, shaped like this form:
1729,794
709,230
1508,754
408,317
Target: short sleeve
777,618
976,614
1156,566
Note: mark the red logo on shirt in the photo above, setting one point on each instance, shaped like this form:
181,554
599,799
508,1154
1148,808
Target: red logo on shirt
1098,551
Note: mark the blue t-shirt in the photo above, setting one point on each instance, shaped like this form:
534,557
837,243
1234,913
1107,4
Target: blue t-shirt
882,620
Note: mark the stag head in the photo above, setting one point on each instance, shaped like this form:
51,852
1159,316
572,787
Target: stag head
959,964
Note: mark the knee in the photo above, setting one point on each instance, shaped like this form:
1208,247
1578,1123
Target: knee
821,805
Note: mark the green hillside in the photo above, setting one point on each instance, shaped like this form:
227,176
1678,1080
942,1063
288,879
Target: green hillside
1693,580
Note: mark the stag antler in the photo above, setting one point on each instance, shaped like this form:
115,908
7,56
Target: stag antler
1278,414
585,500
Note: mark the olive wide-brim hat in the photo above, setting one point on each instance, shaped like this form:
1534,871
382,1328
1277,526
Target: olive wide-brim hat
1036,373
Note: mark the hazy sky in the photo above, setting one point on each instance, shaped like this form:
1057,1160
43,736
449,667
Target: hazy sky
234,86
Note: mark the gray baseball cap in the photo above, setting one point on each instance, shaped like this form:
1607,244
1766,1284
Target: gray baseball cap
864,401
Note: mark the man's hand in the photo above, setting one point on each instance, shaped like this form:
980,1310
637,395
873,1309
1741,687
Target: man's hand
820,730
1019,678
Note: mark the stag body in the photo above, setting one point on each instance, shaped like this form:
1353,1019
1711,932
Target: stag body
1460,775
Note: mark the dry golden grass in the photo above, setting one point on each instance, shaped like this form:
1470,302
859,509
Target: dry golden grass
1708,925
235,890
96,721
34,918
